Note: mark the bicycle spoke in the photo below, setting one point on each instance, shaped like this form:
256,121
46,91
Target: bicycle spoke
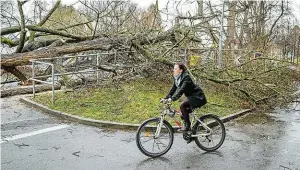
146,140
164,137
157,144
152,145
162,144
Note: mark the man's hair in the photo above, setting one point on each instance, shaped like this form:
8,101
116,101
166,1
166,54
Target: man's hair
185,69
181,66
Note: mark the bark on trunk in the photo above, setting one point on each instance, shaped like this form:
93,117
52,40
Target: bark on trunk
13,70
26,90
17,59
231,23
23,32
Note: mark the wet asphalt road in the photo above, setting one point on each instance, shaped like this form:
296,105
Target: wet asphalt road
267,142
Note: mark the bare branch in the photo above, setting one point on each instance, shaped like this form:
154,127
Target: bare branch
32,34
23,32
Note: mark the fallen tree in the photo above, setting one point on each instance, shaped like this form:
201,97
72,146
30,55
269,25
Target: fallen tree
27,90
10,61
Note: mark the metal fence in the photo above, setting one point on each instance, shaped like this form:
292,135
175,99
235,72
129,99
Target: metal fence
49,61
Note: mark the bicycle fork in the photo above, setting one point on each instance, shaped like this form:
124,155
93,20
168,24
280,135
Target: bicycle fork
158,129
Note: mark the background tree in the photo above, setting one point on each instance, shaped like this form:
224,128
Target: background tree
160,36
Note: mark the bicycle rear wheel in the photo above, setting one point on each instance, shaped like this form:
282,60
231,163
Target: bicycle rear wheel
153,146
215,137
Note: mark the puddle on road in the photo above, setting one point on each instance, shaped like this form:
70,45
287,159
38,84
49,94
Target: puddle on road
257,118
261,126
274,124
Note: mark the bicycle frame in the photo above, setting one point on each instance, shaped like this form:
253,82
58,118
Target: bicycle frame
202,123
168,110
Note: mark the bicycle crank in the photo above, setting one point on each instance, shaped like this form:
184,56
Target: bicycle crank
187,135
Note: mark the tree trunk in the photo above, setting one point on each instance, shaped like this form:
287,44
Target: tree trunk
26,90
9,60
262,17
231,23
13,70
244,27
23,32
200,7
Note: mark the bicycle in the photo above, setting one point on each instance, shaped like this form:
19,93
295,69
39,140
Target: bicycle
204,130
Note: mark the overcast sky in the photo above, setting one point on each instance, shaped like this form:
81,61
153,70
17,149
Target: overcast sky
295,4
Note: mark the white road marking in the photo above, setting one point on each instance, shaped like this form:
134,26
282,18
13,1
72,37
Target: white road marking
32,133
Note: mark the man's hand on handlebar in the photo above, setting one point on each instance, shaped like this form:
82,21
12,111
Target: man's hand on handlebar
165,101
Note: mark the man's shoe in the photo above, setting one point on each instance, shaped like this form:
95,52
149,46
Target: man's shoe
186,127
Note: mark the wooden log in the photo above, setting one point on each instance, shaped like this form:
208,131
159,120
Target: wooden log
27,89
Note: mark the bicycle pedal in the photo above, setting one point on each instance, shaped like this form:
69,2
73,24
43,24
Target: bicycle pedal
181,131
184,131
189,141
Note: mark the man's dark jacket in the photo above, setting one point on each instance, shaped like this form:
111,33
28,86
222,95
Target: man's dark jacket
187,87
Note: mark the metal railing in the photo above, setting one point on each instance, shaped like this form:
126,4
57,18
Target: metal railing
35,78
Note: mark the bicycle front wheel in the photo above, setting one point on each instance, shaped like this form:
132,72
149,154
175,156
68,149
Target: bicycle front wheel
209,140
151,145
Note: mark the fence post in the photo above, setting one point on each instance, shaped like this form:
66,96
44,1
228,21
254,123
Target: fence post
185,57
53,97
33,82
115,56
98,54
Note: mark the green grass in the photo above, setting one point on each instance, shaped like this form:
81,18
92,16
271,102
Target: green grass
133,102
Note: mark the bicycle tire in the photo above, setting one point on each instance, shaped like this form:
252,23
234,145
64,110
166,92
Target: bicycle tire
215,124
168,128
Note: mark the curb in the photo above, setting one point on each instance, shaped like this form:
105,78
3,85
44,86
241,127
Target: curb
235,115
106,124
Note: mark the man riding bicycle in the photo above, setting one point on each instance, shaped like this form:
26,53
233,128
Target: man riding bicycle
183,84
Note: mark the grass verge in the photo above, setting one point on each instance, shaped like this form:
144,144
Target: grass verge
131,102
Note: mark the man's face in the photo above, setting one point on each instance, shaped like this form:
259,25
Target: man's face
176,70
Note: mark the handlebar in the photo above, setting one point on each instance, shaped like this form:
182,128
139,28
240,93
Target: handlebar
166,101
